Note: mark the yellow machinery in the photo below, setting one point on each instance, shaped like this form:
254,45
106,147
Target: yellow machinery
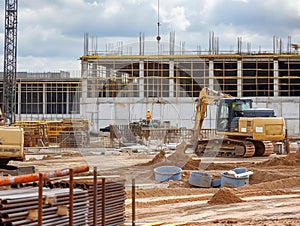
11,144
242,130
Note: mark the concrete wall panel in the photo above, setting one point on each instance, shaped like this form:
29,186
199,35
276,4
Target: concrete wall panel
180,114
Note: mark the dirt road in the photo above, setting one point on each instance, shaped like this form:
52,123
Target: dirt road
272,198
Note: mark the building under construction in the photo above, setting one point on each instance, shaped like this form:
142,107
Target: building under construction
118,85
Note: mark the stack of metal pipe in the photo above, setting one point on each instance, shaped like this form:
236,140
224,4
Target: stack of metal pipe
113,202
20,207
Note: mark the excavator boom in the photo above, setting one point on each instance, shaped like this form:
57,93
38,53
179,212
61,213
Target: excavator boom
206,97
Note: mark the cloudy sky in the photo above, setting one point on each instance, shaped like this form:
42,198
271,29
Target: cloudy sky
50,32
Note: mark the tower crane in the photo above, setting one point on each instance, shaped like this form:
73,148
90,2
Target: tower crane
12,137
10,60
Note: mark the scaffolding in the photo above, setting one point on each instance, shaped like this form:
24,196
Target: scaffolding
112,82
180,76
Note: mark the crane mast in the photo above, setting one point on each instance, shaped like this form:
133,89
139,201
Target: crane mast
10,60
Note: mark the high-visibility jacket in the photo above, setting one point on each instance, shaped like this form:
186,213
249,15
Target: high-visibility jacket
148,115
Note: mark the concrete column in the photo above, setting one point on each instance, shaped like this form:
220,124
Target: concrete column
44,99
211,74
19,100
276,80
84,89
68,100
94,89
171,80
141,79
239,78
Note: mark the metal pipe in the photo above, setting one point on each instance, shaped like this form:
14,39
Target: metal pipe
5,181
95,197
49,219
17,216
40,200
133,202
71,202
19,204
114,200
103,202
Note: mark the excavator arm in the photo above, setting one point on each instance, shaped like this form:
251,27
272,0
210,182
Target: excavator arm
206,97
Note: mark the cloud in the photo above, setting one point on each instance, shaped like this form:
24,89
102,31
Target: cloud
176,19
53,30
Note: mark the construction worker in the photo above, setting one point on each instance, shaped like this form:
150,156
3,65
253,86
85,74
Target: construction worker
148,116
238,110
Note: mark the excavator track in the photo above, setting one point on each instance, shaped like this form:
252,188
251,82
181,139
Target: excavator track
226,148
235,148
249,149
263,148
269,148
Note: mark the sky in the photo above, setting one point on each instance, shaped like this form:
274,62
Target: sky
50,32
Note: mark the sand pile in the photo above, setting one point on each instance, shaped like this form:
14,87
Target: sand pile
178,158
292,159
277,184
293,156
160,157
192,164
224,196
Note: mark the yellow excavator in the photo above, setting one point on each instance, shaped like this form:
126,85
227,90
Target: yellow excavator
11,143
241,130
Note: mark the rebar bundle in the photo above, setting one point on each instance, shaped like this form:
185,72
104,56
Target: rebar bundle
110,196
20,207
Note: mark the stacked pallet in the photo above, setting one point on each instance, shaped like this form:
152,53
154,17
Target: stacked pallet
20,207
35,134
53,129
75,133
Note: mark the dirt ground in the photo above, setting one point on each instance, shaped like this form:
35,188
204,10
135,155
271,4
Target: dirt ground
271,198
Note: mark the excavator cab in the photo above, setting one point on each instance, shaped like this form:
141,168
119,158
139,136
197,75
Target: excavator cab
229,111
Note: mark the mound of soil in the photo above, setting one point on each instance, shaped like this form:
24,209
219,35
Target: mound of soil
280,161
160,157
292,159
224,196
192,164
277,184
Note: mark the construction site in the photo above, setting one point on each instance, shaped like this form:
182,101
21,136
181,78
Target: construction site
151,134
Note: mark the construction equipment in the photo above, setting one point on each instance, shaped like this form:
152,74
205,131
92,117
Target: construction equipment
240,130
11,142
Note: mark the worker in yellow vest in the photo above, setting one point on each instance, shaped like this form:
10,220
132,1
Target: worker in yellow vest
148,116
